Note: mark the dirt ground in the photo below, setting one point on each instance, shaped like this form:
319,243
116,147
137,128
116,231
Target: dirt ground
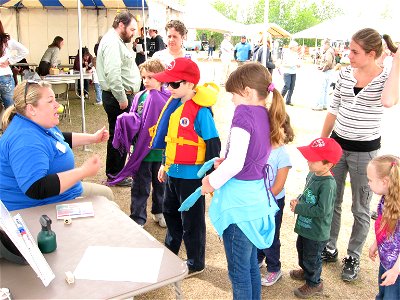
214,282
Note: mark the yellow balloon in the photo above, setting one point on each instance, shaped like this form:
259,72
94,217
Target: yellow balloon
60,109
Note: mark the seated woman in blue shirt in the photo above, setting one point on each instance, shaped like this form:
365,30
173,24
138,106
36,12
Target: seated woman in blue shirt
36,159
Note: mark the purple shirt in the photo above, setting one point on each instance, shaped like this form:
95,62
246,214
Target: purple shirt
388,247
255,120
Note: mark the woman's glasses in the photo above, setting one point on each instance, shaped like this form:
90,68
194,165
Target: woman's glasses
176,84
28,83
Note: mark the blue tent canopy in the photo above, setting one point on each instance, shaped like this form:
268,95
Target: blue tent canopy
131,4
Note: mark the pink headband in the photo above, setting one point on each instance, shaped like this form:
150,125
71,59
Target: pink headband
271,87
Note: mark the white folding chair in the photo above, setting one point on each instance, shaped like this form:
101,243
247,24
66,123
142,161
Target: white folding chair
61,92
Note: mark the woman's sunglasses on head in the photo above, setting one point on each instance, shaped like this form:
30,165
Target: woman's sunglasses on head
28,83
176,84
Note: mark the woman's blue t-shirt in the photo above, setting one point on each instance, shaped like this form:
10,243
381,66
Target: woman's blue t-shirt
29,152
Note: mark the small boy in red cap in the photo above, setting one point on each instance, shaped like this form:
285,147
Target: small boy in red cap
314,208
187,132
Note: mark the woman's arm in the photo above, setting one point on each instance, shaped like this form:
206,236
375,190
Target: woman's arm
390,93
328,124
80,139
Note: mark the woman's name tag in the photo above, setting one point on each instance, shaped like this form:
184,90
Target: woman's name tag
61,147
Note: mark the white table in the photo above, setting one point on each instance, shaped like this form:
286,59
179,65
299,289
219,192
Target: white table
109,227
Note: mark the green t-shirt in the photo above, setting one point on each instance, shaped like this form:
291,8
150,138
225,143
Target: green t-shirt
154,155
315,208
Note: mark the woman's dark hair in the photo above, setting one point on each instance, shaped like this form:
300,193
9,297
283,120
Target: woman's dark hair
56,42
4,38
85,51
124,17
178,26
370,40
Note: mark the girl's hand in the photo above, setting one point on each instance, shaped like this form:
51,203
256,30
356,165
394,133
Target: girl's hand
101,135
293,204
218,161
162,176
390,276
206,186
373,251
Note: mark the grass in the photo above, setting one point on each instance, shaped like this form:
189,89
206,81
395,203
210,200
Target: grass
214,282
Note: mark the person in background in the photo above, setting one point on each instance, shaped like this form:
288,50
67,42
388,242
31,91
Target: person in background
384,179
176,33
97,87
50,57
119,78
36,159
290,63
11,52
279,160
227,50
242,52
326,67
314,209
211,47
87,65
354,120
143,163
140,57
155,43
259,52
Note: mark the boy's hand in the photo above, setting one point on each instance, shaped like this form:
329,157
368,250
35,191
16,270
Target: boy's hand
162,176
373,251
293,204
206,186
390,276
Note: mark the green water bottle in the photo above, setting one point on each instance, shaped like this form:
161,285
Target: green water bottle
46,237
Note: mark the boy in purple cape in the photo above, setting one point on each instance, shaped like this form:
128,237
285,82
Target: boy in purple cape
133,129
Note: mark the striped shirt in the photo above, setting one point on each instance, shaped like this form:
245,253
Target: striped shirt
358,117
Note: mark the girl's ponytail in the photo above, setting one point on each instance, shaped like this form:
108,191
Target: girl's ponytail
277,115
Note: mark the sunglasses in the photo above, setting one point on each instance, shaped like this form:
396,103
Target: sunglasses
176,84
28,83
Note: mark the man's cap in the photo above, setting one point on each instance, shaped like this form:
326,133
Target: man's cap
243,37
322,149
180,69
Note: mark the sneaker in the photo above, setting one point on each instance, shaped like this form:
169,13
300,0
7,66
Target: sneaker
329,255
127,182
297,274
374,215
317,109
98,103
159,218
351,268
261,264
306,291
86,96
194,273
271,278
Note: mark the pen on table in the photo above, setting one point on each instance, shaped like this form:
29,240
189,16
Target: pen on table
22,231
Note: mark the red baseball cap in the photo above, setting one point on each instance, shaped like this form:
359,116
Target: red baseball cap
180,69
322,149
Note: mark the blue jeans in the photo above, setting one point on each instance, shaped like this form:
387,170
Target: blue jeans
326,82
391,292
310,261
272,254
210,51
7,86
241,256
97,89
290,81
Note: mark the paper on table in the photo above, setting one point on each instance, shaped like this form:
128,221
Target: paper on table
120,264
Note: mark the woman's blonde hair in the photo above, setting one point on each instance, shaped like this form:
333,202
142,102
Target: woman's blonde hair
256,76
389,166
33,94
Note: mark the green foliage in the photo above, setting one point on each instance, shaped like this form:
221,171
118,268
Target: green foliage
292,15
217,36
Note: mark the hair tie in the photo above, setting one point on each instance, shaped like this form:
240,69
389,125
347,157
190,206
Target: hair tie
394,163
271,87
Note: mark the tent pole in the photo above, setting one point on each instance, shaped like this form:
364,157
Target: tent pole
144,31
265,33
80,68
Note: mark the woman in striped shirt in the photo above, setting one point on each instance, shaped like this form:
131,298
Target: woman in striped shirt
354,119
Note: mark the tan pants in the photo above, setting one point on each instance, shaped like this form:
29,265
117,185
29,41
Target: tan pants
95,189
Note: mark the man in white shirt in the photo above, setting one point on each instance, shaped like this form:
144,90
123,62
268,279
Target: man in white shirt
226,57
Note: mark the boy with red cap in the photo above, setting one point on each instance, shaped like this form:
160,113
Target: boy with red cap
187,132
314,208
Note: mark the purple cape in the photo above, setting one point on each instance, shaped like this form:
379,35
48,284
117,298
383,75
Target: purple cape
131,124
